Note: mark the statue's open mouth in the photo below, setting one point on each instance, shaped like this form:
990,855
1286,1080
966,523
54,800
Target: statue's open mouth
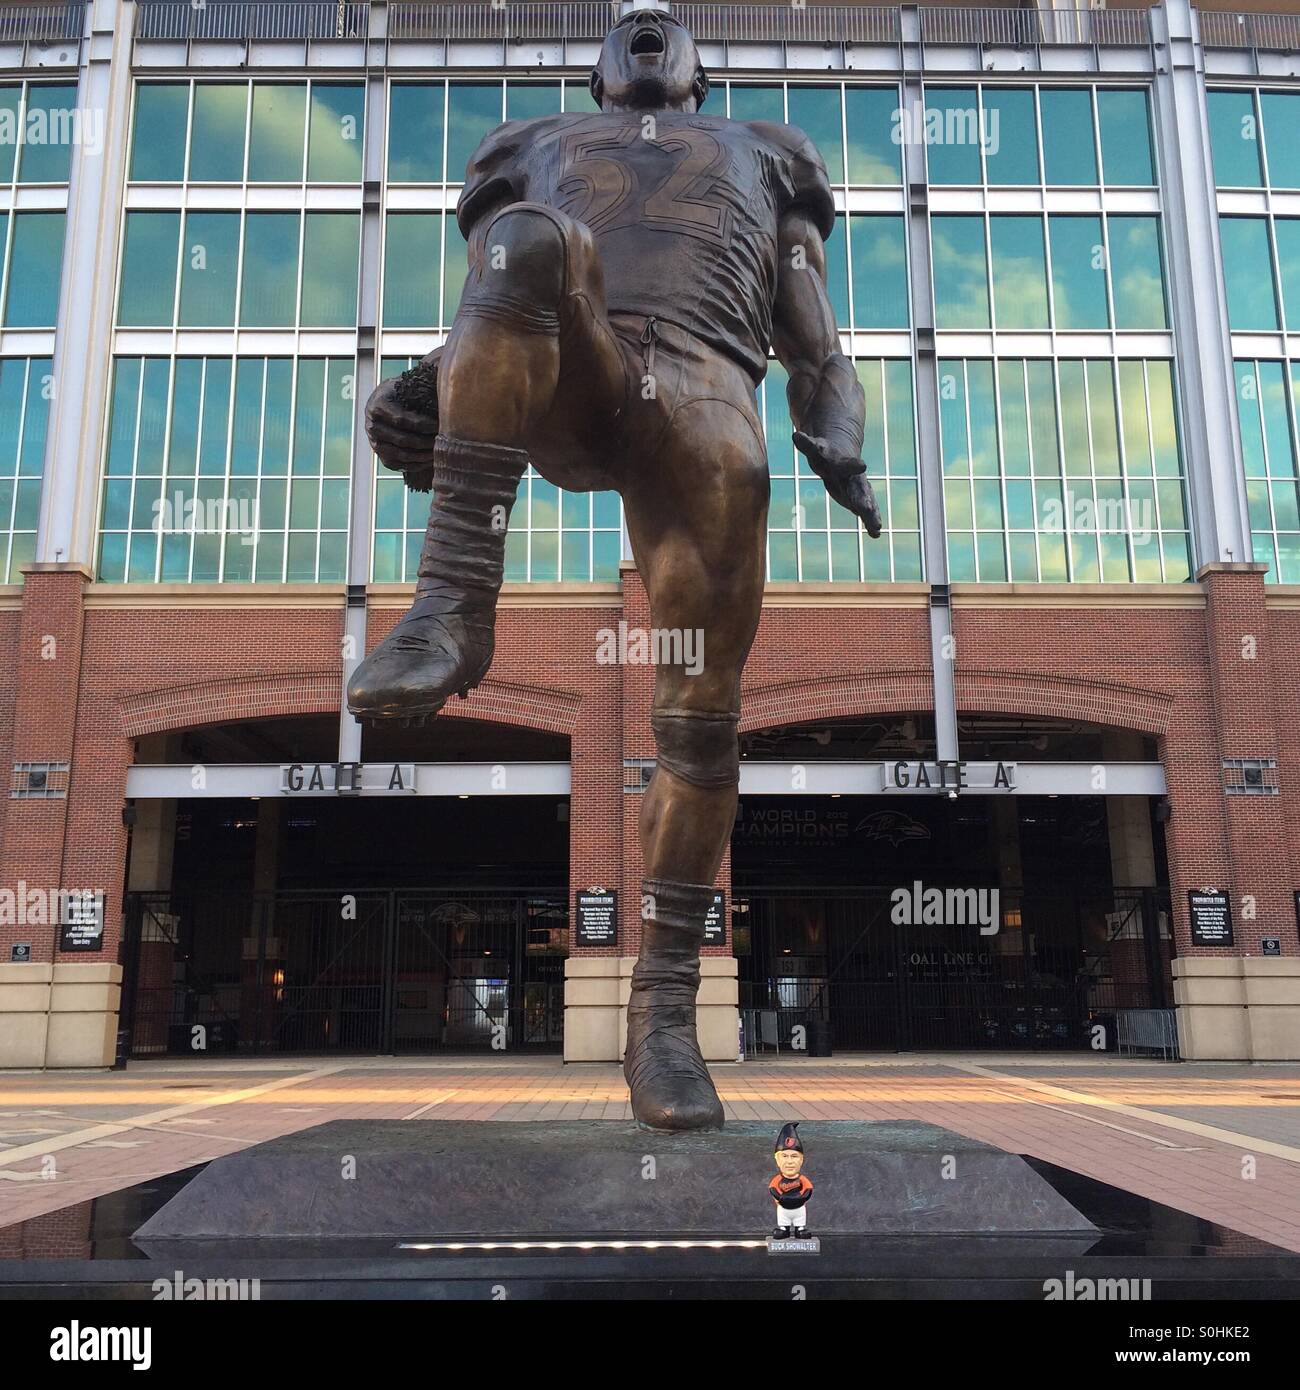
647,40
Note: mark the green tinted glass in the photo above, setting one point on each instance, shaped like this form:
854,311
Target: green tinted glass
11,96
816,111
1137,272
1019,272
338,117
158,136
415,117
1078,272
220,122
473,109
1010,135
209,269
1234,138
148,286
412,256
35,270
275,146
1286,234
528,100
1281,114
269,294
52,111
1248,271
1125,129
960,278
837,272
870,118
879,271
331,251
1069,154
756,103
952,135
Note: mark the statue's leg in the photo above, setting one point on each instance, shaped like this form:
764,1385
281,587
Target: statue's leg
534,293
697,517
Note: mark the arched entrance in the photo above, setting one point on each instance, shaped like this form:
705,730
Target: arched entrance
1018,901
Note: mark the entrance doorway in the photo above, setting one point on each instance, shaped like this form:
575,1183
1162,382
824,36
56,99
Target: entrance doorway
392,971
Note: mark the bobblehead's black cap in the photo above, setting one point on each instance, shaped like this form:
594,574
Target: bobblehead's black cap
789,1137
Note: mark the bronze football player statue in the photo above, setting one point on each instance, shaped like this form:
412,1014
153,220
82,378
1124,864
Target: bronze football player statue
628,271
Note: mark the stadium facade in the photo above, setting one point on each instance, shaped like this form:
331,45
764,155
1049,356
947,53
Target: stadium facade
1025,773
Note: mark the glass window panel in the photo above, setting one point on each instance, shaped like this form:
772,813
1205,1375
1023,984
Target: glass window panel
578,97
1101,405
52,108
1288,559
1125,128
455,267
1286,233
11,95
1173,510
1010,135
1281,116
1074,418
473,109
1133,405
1078,272
1234,139
1042,418
903,512
899,422
158,135
40,386
1137,272
411,256
1265,553
873,440
988,504
183,447
35,270
952,417
209,269
961,557
1272,406
782,555
153,416
331,252
1019,272
816,111
309,420
148,288
216,407
870,119
1020,504
952,135
1286,517
275,146
1069,153
1164,426
982,409
814,555
340,376
1015,419
269,293
837,272
1248,271
844,556
338,117
765,103
879,271
278,415
991,557
527,100
220,128
960,278
415,116
247,437
122,416
1114,559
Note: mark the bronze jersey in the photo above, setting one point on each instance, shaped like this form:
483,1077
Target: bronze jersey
684,212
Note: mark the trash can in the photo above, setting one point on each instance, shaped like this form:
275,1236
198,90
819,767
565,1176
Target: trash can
819,1036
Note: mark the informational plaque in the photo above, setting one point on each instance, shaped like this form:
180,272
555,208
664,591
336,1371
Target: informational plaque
596,919
81,922
715,922
1211,915
20,952
1271,945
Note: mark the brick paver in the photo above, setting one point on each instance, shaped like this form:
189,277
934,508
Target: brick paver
1219,1141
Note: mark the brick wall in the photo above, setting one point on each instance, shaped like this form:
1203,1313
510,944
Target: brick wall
1174,673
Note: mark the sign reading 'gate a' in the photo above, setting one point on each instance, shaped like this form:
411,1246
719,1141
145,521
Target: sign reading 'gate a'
346,779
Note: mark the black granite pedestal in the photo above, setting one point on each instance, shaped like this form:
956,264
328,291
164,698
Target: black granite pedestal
444,1179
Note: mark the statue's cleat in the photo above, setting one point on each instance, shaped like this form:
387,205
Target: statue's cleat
670,1084
416,669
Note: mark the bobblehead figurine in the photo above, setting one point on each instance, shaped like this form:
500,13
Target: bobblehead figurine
790,1189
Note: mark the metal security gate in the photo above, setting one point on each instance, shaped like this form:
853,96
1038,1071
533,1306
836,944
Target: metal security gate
850,966
381,971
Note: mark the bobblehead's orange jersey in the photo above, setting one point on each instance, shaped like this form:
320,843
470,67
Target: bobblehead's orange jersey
685,222
783,1190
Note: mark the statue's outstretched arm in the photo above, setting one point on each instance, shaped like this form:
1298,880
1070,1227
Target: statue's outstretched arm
827,403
